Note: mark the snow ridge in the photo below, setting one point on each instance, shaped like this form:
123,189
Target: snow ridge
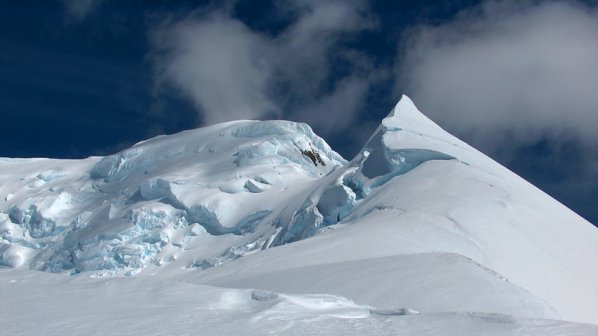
269,205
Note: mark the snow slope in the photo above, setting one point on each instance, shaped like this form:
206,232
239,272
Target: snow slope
47,304
266,214
470,207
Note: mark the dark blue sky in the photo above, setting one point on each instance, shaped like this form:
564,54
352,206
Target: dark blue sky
81,81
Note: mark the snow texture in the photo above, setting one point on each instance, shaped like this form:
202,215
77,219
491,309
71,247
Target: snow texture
249,225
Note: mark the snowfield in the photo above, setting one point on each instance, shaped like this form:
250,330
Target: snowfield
253,227
47,304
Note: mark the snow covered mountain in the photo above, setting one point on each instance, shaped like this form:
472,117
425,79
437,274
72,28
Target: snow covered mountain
264,223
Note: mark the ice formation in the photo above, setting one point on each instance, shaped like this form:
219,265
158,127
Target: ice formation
416,222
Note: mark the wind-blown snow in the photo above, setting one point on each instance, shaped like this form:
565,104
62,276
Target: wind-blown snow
158,306
418,229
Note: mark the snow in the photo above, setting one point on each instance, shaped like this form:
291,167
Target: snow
428,283
42,303
261,227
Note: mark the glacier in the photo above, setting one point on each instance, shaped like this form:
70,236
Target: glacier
418,228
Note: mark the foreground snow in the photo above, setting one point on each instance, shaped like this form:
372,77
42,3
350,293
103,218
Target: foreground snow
260,227
35,303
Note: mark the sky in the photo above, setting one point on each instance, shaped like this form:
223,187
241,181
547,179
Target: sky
515,79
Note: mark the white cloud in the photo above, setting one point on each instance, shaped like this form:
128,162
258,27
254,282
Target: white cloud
78,9
336,110
231,72
220,64
522,70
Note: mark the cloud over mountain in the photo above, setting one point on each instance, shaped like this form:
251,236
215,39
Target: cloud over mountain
526,70
231,71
